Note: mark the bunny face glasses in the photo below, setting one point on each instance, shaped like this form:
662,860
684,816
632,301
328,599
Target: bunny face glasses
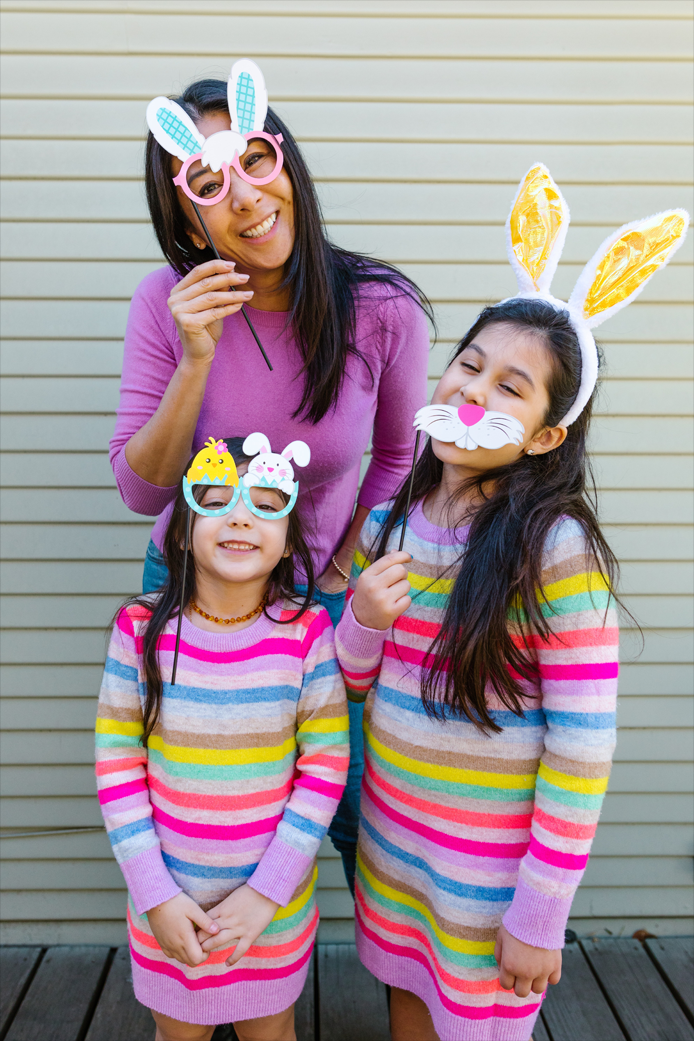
268,474
254,155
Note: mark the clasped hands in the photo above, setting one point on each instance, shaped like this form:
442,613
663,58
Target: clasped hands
236,921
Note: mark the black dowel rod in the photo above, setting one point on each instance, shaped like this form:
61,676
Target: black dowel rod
183,596
249,322
409,491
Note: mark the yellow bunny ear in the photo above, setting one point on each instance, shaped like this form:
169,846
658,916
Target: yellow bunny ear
625,262
536,230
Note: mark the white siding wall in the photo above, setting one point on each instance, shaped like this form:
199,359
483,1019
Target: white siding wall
418,127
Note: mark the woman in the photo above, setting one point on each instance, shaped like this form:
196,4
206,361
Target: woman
347,338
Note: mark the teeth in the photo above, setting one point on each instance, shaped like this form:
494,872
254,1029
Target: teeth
237,545
260,229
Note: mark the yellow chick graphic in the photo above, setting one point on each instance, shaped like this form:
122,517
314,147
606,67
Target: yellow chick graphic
213,465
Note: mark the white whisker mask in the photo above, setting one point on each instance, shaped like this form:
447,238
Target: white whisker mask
469,426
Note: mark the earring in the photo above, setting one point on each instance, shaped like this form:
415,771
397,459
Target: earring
531,451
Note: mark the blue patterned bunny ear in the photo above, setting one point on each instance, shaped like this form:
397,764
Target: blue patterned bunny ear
247,97
173,128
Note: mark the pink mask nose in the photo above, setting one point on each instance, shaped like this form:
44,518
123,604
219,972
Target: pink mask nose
271,468
470,414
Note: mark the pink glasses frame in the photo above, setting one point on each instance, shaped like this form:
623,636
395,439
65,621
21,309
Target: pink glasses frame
181,178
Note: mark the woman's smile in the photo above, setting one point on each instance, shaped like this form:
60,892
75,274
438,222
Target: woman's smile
263,229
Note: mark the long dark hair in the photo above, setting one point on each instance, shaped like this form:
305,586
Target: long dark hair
500,566
322,278
164,605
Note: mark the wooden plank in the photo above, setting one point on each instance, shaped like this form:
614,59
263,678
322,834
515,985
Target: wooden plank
642,839
309,35
119,577
646,711
53,714
633,901
638,995
54,812
75,541
44,906
644,679
16,967
40,680
576,1010
88,612
119,1016
674,955
59,998
654,745
305,1008
651,777
48,780
89,875
628,870
352,1002
540,1030
57,358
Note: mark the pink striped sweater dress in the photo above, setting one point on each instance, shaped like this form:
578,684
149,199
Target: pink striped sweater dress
462,830
238,784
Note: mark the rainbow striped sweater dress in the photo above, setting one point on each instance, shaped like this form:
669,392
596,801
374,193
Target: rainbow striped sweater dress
460,829
239,782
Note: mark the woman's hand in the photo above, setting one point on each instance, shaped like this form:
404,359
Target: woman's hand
381,594
523,968
200,301
240,919
173,924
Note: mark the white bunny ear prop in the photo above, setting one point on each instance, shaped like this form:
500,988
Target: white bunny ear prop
299,452
173,128
625,263
247,97
536,230
256,443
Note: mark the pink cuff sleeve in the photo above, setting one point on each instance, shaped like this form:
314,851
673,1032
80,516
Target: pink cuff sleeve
279,872
538,919
148,880
139,495
358,641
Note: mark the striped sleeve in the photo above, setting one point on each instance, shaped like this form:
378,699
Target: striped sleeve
320,775
360,650
578,669
121,771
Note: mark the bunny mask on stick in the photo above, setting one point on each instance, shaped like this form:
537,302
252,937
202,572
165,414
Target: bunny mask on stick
620,269
176,132
215,466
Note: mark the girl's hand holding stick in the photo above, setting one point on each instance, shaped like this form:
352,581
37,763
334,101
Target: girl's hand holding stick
173,924
240,919
382,591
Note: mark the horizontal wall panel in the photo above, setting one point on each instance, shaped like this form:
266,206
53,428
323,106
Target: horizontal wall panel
58,358
70,279
657,710
390,161
94,470
32,781
654,745
647,808
75,541
645,900
92,504
44,747
641,840
636,542
657,578
145,76
49,714
39,874
100,394
67,433
30,906
648,472
71,239
41,681
49,612
640,679
440,37
632,435
460,9
381,121
77,577
651,777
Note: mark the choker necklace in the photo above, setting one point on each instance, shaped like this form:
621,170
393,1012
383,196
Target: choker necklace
229,621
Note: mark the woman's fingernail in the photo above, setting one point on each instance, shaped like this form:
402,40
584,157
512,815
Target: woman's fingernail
230,263
244,277
247,296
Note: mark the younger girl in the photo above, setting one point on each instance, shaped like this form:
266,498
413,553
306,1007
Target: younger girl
217,790
490,727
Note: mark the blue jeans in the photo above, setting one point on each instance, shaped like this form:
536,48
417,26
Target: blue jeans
345,824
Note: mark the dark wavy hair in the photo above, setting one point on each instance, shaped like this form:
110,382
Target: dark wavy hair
164,606
322,278
500,566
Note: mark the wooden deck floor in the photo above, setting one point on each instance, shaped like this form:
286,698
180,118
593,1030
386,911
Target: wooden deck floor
611,990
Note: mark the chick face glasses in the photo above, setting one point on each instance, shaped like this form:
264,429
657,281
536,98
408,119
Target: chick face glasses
260,163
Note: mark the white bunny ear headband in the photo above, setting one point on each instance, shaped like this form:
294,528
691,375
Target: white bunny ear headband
620,269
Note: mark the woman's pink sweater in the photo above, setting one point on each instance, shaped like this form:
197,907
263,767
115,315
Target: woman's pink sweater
242,395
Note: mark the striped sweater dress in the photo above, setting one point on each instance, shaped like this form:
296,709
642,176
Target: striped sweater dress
461,830
238,784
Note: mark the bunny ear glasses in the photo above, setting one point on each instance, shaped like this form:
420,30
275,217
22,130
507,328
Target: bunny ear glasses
208,192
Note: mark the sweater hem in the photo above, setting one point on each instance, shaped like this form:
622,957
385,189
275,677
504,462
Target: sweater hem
408,974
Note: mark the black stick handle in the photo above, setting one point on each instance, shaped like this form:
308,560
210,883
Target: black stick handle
409,490
216,253
182,603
